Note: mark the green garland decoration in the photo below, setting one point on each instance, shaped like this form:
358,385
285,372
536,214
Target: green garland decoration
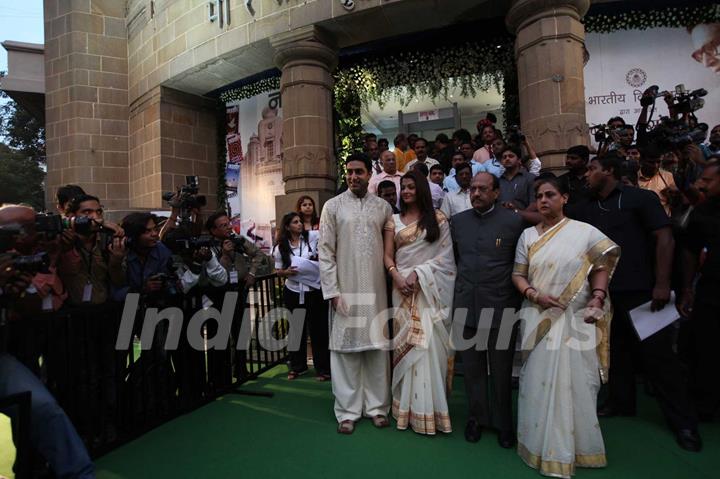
348,122
643,20
471,67
251,89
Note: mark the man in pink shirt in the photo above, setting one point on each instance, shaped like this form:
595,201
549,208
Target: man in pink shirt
390,172
484,153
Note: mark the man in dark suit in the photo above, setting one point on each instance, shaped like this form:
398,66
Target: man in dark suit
485,238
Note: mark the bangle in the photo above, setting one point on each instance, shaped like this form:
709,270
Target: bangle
391,268
602,291
524,293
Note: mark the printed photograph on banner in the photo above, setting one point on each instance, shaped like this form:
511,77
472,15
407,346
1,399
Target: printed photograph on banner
232,120
256,149
621,65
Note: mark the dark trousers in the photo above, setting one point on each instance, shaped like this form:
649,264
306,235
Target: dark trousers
705,331
51,432
489,395
316,321
656,358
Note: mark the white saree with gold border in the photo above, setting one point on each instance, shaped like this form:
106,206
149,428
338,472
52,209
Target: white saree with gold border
421,328
565,359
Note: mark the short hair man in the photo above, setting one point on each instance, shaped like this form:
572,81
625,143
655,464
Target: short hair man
635,221
353,278
388,191
485,265
574,181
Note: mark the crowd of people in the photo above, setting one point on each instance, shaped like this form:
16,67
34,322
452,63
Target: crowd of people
473,250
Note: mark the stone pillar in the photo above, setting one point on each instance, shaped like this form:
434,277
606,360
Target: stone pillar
172,135
306,56
549,50
86,108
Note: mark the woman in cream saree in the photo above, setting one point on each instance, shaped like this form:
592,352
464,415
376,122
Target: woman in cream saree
562,267
424,276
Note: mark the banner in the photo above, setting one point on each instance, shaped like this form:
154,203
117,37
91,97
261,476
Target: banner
253,174
624,63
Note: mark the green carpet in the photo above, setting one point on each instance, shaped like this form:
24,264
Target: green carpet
293,435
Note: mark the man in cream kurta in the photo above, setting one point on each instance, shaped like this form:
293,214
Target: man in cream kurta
353,276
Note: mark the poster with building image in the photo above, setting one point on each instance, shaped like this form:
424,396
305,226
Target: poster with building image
254,165
622,64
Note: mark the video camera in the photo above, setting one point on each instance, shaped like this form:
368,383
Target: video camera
672,134
187,199
603,132
52,225
194,243
514,136
684,101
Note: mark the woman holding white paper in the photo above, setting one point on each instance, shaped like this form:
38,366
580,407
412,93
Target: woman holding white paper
563,268
295,257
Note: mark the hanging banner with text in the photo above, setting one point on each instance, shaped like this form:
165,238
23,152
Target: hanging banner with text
623,64
253,174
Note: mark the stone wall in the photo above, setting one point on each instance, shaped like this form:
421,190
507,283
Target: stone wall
86,98
172,135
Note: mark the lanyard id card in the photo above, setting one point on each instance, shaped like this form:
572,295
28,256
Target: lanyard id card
233,277
87,293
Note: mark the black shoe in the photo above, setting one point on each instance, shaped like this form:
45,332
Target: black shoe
689,439
506,439
472,431
609,411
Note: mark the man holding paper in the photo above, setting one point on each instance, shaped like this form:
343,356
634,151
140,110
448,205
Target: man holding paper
296,259
635,220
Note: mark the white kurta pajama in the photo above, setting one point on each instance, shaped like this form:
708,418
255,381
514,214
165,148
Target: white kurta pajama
351,266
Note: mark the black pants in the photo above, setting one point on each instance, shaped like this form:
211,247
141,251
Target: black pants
656,358
316,320
489,402
705,331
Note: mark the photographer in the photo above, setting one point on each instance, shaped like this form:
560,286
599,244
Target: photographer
86,267
90,264
149,263
713,145
64,195
51,432
241,259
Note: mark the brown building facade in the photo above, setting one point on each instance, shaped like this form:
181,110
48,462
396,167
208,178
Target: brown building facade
127,115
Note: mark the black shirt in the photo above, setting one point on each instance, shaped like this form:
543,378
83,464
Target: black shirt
703,231
576,187
628,216
485,254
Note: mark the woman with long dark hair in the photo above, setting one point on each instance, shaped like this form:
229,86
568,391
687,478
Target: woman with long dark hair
419,257
308,213
296,246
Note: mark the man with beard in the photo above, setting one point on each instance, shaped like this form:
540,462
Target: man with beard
702,304
352,274
634,220
576,160
713,145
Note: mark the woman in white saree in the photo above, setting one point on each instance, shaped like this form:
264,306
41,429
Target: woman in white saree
562,268
419,257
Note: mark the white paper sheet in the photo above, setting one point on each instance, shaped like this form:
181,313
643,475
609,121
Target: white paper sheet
647,323
308,272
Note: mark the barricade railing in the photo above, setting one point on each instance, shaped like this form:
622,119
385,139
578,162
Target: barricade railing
114,395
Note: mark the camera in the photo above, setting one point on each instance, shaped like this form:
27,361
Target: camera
514,135
188,197
36,263
676,134
684,101
194,243
52,225
168,283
